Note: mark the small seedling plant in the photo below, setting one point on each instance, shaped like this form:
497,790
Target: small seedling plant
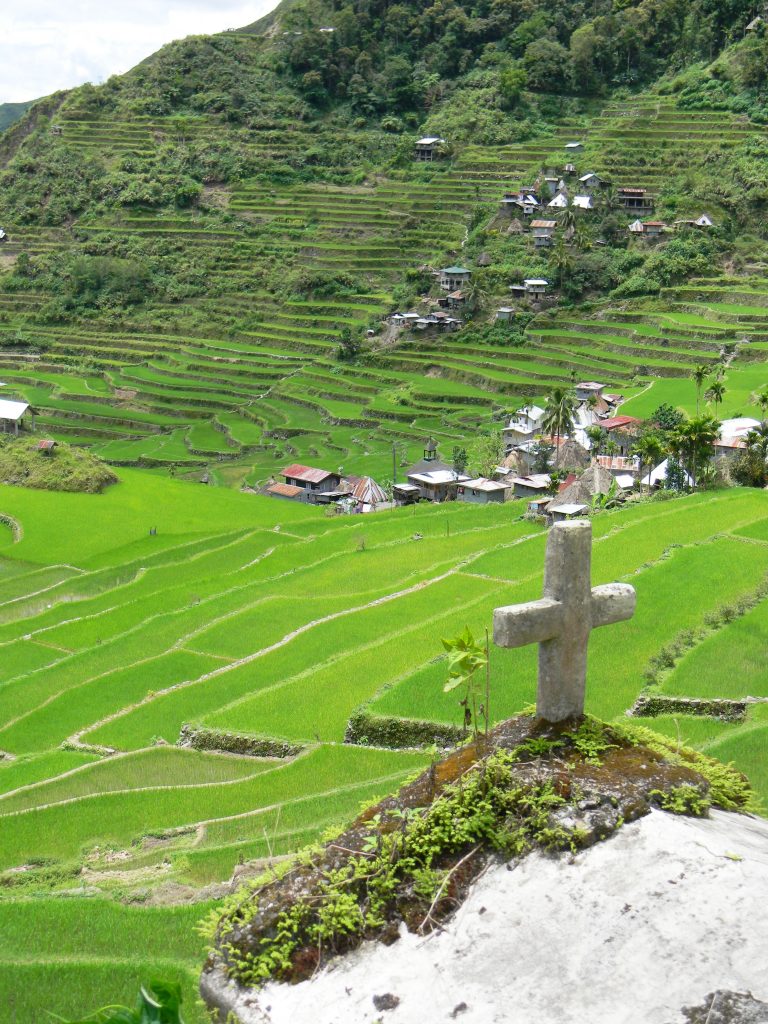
466,661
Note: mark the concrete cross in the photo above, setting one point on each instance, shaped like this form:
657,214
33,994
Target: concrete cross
563,619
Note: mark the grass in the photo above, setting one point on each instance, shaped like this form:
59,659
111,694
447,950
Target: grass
729,663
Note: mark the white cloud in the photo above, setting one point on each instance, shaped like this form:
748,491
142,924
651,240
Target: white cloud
48,45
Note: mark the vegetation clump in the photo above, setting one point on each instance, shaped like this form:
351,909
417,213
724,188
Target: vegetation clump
63,468
411,858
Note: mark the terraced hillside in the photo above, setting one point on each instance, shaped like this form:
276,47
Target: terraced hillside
114,639
238,370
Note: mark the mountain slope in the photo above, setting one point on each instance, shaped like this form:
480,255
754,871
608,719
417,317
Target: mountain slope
205,230
11,112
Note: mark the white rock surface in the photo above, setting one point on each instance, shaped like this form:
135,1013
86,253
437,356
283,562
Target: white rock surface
628,932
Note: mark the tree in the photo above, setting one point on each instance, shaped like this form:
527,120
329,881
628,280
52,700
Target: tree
559,412
693,441
459,459
476,294
762,398
750,467
560,262
715,393
512,81
556,477
485,453
666,417
596,437
548,65
541,456
649,451
350,344
698,376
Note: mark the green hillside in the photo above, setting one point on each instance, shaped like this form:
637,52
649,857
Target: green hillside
189,243
12,112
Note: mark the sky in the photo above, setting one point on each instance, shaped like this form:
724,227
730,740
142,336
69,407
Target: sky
50,44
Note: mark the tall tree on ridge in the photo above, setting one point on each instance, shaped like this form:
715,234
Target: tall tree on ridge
559,413
698,376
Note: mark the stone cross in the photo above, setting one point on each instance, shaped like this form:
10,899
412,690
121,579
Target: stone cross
563,619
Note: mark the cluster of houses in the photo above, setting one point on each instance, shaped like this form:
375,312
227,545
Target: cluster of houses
656,228
554,193
325,487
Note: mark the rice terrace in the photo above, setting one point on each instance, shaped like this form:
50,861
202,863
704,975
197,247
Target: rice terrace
310,332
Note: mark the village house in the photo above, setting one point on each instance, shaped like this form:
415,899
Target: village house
657,477
531,288
482,491
453,278
704,221
505,314
454,300
570,455
428,148
3,236
404,319
620,466
539,506
438,321
543,232
564,510
622,430
592,481
533,486
522,425
569,169
524,201
635,200
405,494
653,228
583,203
586,388
589,182
315,484
636,227
367,495
560,202
12,416
437,484
733,433
551,184
574,147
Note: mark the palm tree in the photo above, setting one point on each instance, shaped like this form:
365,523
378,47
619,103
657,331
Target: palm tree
762,401
649,451
561,262
757,440
559,412
568,218
476,295
596,438
693,440
698,376
715,393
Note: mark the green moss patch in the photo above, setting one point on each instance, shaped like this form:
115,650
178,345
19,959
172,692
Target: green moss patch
411,858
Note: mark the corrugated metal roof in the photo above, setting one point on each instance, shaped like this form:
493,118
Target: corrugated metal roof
618,421
285,490
12,410
308,473
369,492
45,446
